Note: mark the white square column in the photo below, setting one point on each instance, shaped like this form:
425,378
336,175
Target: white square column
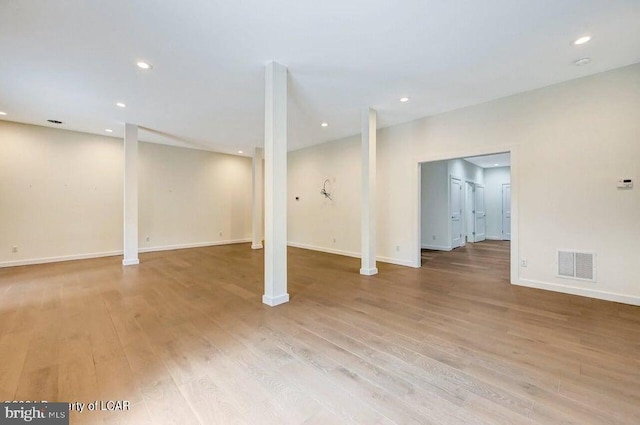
258,190
275,185
130,195
368,235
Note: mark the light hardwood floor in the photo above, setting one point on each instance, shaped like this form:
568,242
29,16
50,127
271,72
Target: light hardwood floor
185,338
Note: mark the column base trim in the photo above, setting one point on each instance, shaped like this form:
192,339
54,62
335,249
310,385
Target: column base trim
131,262
256,246
369,272
274,301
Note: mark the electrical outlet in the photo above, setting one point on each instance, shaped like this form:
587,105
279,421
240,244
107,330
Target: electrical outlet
523,262
148,238
433,237
334,240
14,249
397,248
220,233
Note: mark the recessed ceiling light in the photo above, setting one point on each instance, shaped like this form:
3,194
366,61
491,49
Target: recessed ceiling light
582,40
324,124
3,113
121,105
240,152
404,99
108,130
144,65
55,121
495,165
582,61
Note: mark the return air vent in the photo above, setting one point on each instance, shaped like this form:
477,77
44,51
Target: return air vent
577,265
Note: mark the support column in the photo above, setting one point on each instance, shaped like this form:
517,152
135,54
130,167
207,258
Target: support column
275,185
258,188
130,195
368,265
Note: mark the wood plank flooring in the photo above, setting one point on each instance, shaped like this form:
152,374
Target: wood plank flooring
185,339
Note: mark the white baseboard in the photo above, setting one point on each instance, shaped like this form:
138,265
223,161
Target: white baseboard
397,261
131,262
494,238
436,247
322,249
584,292
192,245
58,259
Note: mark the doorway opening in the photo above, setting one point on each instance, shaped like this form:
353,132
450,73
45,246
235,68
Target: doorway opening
465,213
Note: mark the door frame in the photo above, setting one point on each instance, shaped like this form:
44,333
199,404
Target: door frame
473,205
502,208
471,151
467,184
484,211
450,212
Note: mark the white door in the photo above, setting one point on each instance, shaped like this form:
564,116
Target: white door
456,211
506,212
468,212
480,214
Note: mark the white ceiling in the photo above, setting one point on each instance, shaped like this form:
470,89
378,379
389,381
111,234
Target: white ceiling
491,161
71,60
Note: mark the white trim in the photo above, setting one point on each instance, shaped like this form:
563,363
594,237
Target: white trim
59,259
467,152
369,272
274,301
397,261
131,262
416,257
193,245
436,247
256,246
62,258
494,238
514,181
450,234
322,249
584,292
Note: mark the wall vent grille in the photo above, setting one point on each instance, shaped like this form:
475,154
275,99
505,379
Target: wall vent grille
577,265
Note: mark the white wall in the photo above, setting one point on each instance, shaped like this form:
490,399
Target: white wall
574,140
314,221
466,171
494,178
434,189
395,240
571,142
61,195
191,197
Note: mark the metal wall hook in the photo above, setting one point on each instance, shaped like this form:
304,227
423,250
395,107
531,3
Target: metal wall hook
324,190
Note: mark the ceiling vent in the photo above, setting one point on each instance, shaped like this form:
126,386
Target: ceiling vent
577,265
